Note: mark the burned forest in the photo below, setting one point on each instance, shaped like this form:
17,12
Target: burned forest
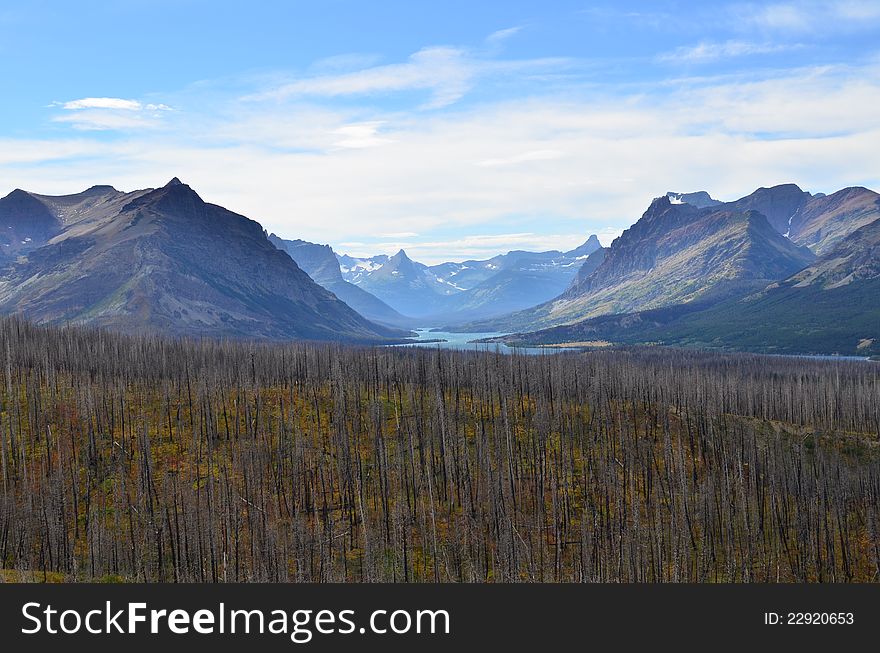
138,458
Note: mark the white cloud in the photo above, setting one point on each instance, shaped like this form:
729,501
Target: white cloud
859,10
788,17
807,16
562,165
109,113
498,37
103,103
446,73
525,157
360,135
400,234
441,70
707,51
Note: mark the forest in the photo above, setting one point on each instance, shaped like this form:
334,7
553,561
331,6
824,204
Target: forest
141,458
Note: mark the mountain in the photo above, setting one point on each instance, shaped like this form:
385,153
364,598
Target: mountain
581,281
163,260
701,199
322,265
855,259
397,280
825,220
779,204
521,280
674,254
830,307
25,223
463,291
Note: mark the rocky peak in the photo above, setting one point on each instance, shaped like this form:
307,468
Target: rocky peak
701,199
589,246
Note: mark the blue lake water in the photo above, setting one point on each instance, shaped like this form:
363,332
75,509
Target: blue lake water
463,341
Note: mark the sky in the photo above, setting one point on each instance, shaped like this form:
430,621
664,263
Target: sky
451,129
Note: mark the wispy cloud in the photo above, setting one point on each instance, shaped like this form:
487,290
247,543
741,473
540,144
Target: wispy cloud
807,16
102,103
445,73
500,36
545,164
525,157
707,51
109,113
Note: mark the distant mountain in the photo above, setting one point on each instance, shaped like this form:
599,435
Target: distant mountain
830,307
521,279
164,260
463,291
674,254
581,281
322,265
397,280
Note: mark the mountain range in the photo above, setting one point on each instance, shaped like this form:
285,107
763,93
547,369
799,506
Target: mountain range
463,291
321,264
161,260
779,271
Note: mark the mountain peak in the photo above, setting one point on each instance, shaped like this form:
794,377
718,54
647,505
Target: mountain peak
99,189
780,204
661,202
701,199
18,194
589,246
174,182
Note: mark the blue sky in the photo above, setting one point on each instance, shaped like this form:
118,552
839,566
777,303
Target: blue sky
453,129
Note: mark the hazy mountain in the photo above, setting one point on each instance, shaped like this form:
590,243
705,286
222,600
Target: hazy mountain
322,265
463,291
830,307
674,254
581,280
164,260
397,280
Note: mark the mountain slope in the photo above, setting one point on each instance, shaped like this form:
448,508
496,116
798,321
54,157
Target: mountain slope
25,223
830,307
321,264
815,221
779,204
167,261
675,253
826,220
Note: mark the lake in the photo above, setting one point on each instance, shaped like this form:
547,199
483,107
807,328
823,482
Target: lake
462,341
